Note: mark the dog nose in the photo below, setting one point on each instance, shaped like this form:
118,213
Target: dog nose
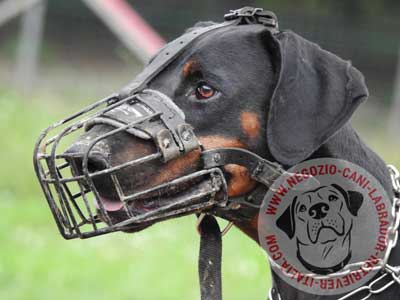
97,161
319,211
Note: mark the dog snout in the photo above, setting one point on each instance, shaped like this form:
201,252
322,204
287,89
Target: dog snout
319,211
96,160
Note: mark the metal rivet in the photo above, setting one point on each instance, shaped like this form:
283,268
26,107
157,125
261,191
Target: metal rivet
186,135
166,143
217,157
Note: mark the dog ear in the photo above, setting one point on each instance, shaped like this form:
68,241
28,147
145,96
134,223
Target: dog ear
315,95
286,221
353,199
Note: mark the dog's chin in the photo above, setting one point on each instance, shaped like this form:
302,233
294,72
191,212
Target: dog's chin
327,235
327,253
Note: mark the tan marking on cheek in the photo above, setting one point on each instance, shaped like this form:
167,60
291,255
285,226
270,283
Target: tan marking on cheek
190,67
240,183
190,161
250,124
216,141
177,167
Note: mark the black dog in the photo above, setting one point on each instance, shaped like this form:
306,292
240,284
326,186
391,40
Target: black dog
279,96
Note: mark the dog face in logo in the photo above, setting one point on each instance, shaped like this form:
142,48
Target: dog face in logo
321,220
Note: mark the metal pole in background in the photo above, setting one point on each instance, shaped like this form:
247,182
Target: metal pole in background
10,9
29,45
394,122
121,18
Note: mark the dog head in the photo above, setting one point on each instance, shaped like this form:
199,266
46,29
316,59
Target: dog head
321,220
277,95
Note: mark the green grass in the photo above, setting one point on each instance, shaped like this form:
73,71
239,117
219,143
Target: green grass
159,263
36,263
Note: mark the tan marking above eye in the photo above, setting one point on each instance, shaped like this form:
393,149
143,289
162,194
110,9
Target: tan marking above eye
190,67
250,124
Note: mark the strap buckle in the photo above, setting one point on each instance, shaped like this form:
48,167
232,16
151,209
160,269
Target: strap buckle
246,11
253,15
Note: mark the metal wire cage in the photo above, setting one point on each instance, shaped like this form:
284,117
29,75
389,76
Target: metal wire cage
72,196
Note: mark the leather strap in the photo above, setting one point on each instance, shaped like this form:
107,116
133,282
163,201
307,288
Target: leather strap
210,259
261,170
167,55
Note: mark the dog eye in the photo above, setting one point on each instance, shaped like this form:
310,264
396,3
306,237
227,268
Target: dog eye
204,91
302,208
332,198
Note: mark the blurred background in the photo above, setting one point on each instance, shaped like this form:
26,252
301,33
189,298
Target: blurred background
57,56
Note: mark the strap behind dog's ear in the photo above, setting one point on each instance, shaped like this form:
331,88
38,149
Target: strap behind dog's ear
316,94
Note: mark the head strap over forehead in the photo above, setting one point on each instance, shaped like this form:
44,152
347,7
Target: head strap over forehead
243,16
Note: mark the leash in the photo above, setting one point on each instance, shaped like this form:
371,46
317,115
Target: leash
261,170
210,257
389,274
